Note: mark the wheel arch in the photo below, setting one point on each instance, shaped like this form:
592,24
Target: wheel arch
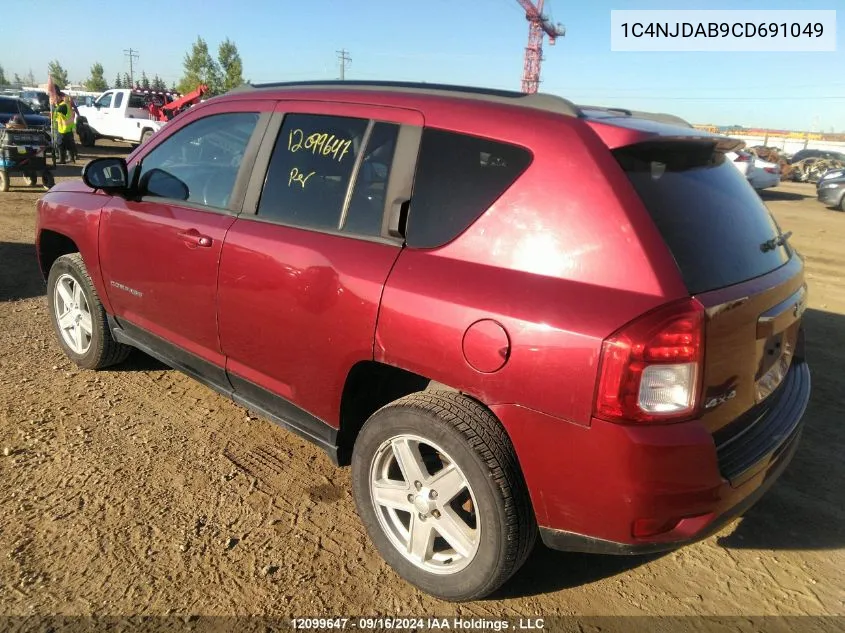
51,246
369,386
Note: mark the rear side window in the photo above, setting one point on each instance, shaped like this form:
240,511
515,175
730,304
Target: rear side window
118,99
713,222
458,178
310,170
136,101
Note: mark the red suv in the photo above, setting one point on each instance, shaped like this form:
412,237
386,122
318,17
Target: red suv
504,311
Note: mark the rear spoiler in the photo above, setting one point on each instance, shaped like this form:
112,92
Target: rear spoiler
616,134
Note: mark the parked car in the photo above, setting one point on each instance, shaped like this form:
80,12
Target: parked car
10,106
831,190
764,175
38,100
759,173
503,310
816,153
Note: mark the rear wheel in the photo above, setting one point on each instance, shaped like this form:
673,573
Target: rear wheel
78,316
842,203
438,488
4,181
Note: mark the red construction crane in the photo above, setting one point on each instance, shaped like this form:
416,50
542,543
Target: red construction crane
538,24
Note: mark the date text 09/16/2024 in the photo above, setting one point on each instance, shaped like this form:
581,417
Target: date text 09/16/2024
411,623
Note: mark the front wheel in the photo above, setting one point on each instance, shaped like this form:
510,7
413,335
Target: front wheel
146,136
439,490
78,316
4,181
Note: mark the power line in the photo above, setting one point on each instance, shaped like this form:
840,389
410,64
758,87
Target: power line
132,55
344,59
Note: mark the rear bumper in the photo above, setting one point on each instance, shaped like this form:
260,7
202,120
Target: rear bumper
590,486
570,541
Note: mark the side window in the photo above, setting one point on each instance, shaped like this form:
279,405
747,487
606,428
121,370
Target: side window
105,100
366,207
136,101
200,162
118,99
310,169
458,178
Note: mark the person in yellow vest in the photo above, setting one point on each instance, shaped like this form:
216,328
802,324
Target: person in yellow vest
65,117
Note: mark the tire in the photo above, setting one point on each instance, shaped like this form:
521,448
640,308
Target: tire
842,203
47,179
459,436
147,135
86,136
4,181
90,350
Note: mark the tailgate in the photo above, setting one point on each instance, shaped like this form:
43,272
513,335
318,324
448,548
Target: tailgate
752,335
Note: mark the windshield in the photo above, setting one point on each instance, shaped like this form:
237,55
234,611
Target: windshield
14,106
714,223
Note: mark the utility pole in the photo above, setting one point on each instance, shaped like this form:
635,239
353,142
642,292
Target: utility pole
132,55
344,58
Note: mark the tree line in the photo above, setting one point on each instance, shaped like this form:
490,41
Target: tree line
220,74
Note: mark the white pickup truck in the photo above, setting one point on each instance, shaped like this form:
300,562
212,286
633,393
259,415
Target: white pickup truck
119,115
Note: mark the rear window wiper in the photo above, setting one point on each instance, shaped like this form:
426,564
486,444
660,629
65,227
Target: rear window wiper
773,243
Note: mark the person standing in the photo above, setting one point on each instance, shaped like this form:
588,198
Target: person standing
65,116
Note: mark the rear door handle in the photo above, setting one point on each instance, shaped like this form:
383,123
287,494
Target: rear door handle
194,238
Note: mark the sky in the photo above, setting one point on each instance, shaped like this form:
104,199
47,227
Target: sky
470,42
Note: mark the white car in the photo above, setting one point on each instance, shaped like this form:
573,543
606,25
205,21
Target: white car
760,173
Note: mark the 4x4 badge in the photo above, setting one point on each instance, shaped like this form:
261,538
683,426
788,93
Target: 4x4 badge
720,399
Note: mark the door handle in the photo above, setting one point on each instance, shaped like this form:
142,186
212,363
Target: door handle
193,238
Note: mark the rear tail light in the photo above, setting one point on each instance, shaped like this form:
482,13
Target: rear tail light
651,369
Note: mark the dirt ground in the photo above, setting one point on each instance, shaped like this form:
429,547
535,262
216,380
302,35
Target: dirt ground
139,491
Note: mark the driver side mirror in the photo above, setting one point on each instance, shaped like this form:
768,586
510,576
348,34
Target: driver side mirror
108,174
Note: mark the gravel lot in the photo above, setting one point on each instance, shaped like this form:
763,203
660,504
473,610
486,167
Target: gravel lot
139,491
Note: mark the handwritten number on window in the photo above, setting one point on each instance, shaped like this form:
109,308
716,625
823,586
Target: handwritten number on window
320,144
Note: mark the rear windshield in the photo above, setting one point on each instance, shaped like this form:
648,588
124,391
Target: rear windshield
714,223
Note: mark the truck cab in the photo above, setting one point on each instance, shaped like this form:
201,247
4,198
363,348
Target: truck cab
119,114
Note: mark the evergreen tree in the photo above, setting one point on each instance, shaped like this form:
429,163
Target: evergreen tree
145,82
127,82
30,78
2,76
18,80
117,82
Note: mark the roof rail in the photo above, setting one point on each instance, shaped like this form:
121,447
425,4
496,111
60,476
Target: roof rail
549,103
